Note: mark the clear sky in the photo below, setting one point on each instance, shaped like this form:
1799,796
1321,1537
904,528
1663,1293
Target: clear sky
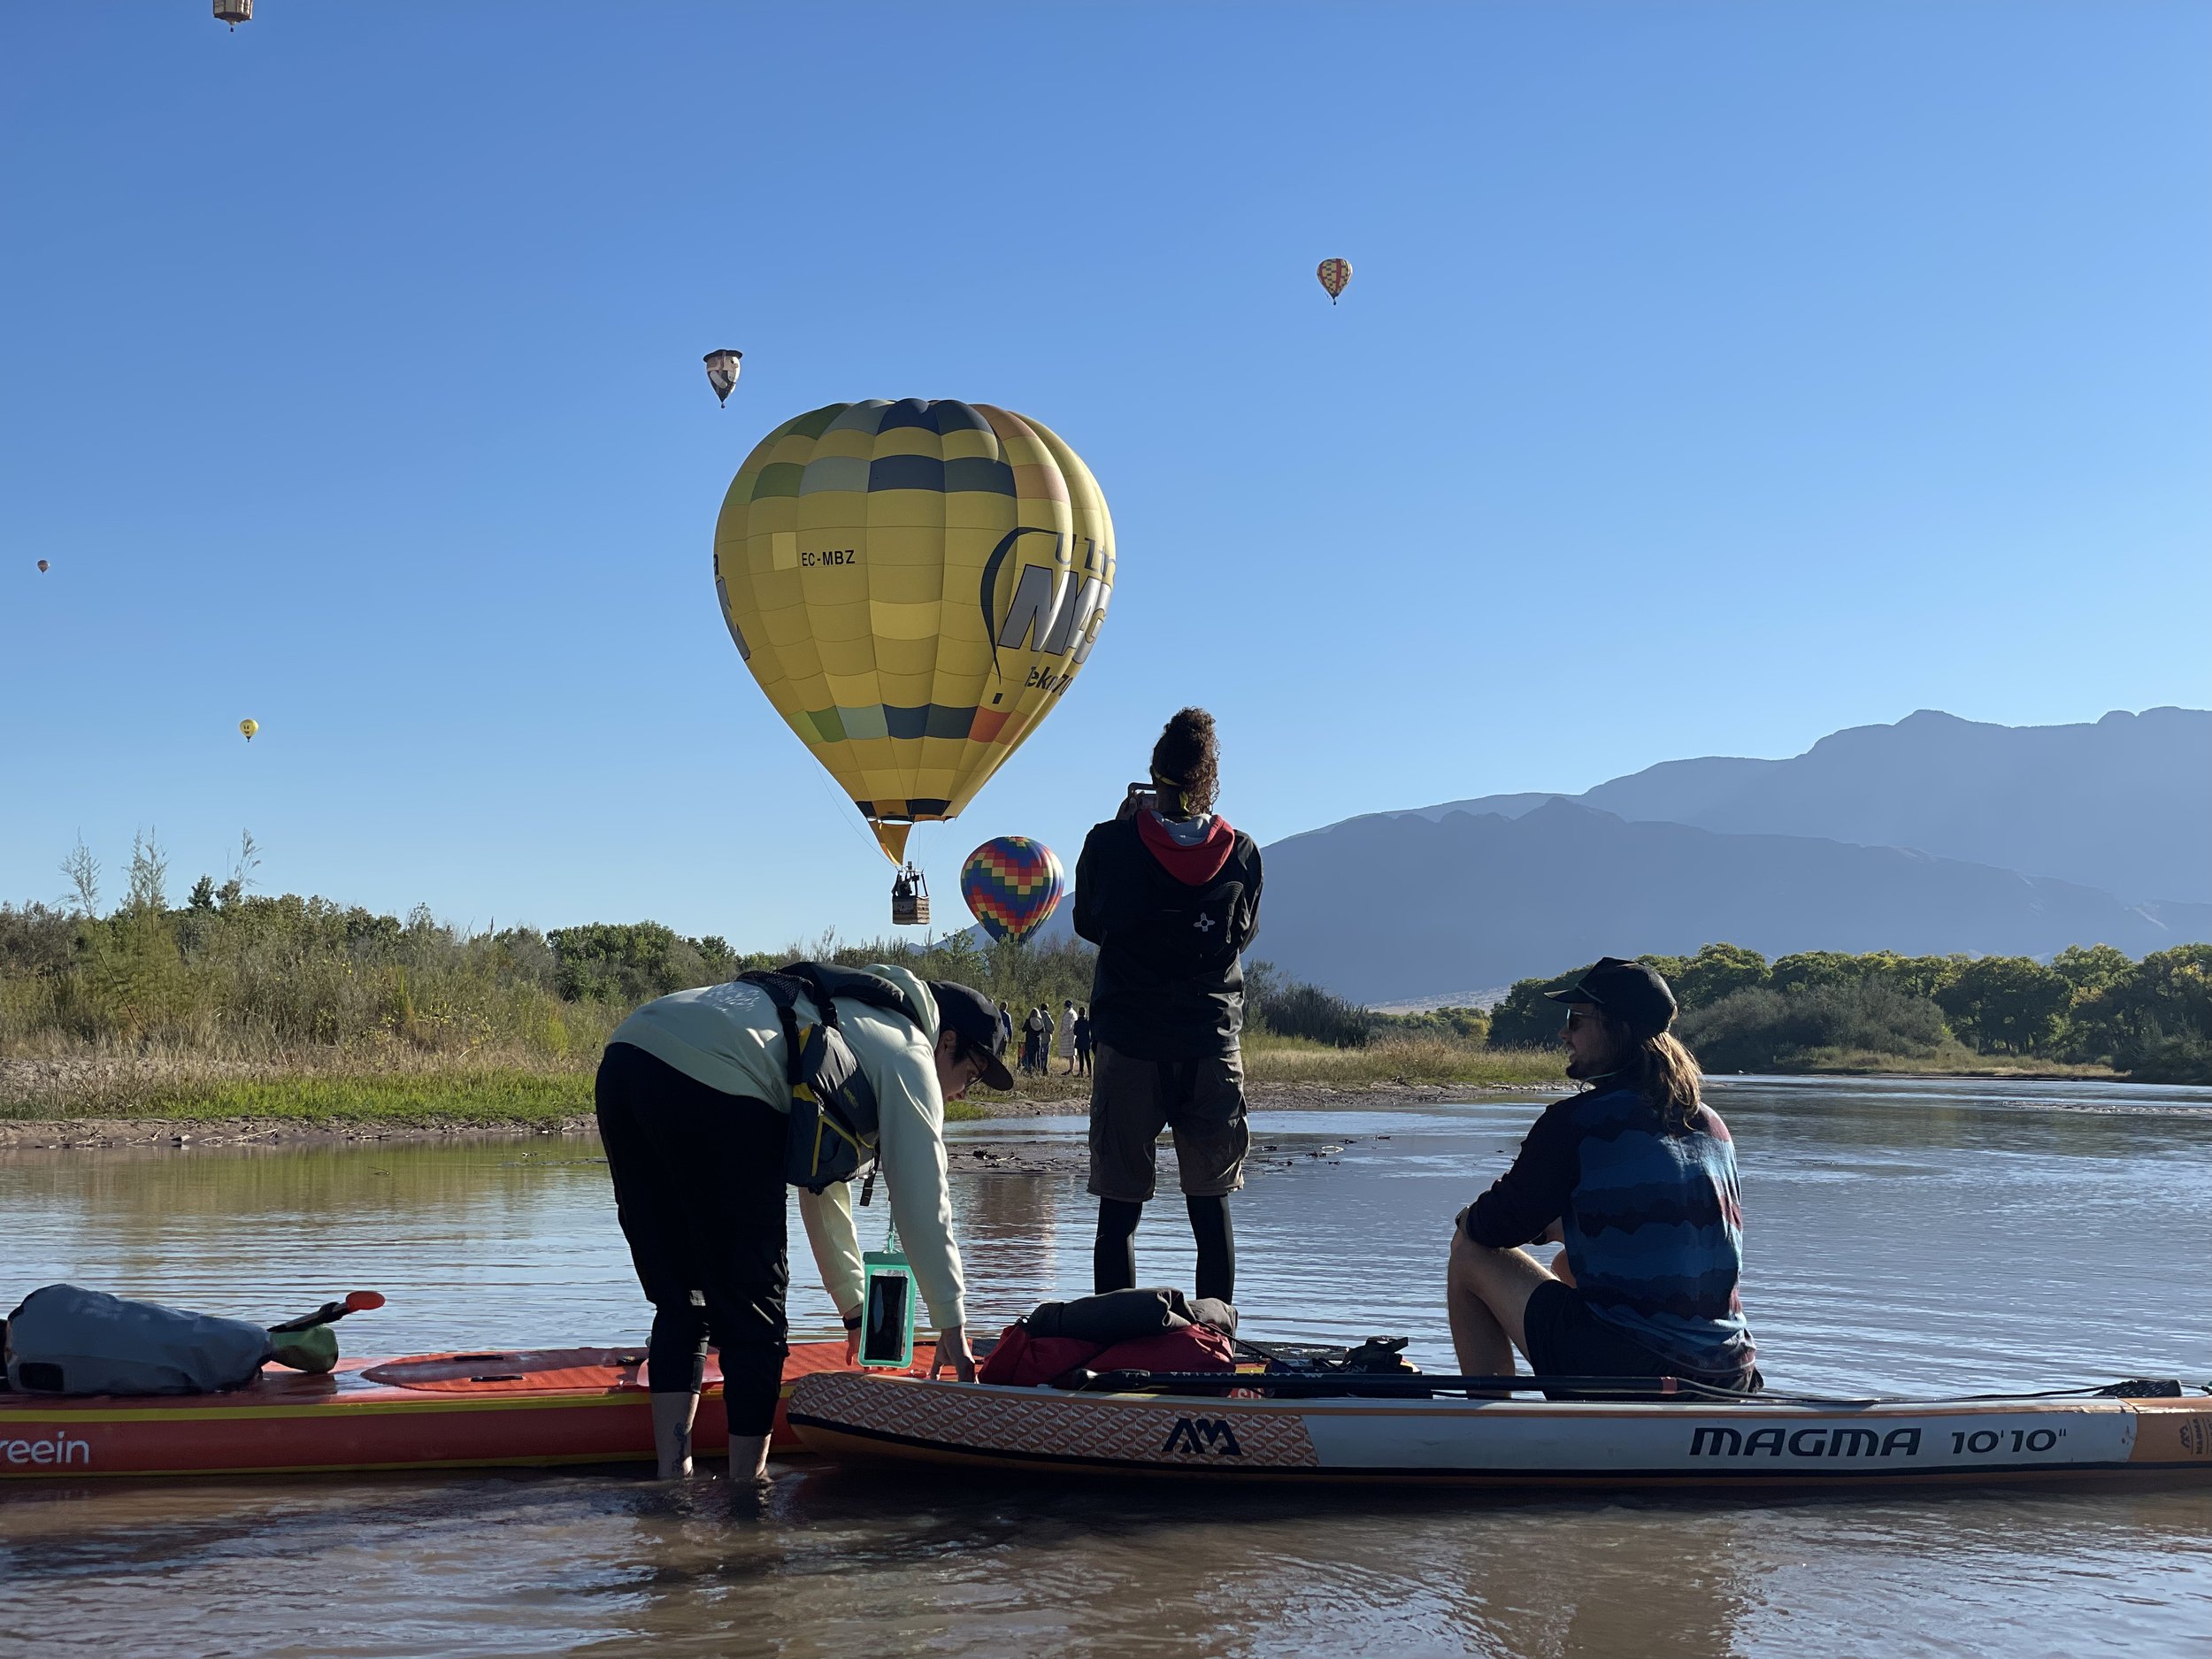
1712,377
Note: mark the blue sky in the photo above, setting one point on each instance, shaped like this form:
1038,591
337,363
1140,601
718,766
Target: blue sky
1712,377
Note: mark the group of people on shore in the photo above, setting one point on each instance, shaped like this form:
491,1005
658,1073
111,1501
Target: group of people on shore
1043,1040
1635,1176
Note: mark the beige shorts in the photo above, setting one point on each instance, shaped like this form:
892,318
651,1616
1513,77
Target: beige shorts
1132,1100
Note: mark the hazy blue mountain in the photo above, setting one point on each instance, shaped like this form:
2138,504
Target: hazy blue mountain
1909,837
1397,906
2125,804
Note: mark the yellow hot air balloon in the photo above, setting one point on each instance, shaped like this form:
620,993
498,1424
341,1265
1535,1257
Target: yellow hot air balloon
1336,276
249,727
915,585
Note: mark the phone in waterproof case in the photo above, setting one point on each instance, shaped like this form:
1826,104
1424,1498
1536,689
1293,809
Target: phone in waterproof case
887,1320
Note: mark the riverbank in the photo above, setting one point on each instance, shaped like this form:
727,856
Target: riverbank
104,1099
459,1122
108,1100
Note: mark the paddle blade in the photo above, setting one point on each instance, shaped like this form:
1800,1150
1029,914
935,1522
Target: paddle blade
363,1301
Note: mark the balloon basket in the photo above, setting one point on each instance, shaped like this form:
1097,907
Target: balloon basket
909,899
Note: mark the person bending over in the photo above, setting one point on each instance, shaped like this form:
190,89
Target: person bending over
1637,1176
693,1106
1170,894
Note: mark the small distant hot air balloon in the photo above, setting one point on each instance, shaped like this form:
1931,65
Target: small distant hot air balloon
1013,884
248,728
1336,276
44,567
722,374
233,13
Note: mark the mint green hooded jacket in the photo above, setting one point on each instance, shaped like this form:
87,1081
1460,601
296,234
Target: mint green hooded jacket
728,1037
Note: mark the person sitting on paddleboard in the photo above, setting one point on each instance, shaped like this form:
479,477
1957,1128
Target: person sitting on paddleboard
696,1105
1637,1176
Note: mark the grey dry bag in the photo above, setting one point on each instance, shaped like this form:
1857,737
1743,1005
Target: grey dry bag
65,1340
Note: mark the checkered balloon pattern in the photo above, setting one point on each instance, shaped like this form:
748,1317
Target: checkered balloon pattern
1012,884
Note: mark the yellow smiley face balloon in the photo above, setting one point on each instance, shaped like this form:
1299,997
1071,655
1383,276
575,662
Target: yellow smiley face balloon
247,728
915,585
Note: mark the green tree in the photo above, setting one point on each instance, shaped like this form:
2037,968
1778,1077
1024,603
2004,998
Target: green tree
1806,969
1912,976
2092,970
2012,1003
1527,1018
1716,972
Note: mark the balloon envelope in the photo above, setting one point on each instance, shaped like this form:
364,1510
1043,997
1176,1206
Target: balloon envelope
723,367
915,585
43,565
1013,884
248,728
1336,276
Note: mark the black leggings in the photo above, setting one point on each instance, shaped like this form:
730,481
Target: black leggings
698,1184
1114,1252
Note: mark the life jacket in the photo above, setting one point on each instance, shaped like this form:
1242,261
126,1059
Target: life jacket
834,1122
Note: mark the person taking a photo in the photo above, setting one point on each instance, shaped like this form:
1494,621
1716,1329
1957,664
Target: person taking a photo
1170,894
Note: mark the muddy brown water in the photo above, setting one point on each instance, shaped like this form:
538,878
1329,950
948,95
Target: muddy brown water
1915,1236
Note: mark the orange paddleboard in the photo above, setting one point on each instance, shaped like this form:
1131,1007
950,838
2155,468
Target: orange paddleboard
517,1408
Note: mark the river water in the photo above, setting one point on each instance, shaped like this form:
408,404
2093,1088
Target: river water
1901,1235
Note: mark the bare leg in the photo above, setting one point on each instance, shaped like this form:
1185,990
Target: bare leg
1486,1292
749,1458
672,1432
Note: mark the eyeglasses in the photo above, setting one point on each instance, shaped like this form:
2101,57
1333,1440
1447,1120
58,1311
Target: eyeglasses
1577,1019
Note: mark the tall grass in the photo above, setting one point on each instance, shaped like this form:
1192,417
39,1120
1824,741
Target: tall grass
303,1010
1388,1058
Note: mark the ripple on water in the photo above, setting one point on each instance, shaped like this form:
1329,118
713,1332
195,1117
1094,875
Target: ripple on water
1900,1238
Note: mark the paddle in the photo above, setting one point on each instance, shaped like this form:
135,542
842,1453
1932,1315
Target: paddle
308,1343
356,1302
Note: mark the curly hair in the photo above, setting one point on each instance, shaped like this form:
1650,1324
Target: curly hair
1187,759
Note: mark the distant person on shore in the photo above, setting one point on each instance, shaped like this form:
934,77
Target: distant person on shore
1170,894
1005,1028
1082,1041
693,1106
1063,1044
1636,1176
1033,1030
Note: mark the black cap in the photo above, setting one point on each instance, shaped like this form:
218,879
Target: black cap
975,1017
1632,993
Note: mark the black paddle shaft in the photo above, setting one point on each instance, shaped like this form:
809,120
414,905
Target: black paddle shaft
1388,1385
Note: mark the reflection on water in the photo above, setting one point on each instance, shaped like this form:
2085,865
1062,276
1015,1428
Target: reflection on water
1902,1235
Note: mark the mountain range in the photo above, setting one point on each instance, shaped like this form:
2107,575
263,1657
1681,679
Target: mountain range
2125,804
1931,835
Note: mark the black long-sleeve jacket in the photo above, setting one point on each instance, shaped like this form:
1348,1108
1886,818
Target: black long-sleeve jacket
1170,984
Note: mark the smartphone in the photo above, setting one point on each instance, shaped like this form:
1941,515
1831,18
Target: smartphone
1142,798
888,1329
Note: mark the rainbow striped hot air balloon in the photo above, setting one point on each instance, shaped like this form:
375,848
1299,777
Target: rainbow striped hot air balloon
1012,884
